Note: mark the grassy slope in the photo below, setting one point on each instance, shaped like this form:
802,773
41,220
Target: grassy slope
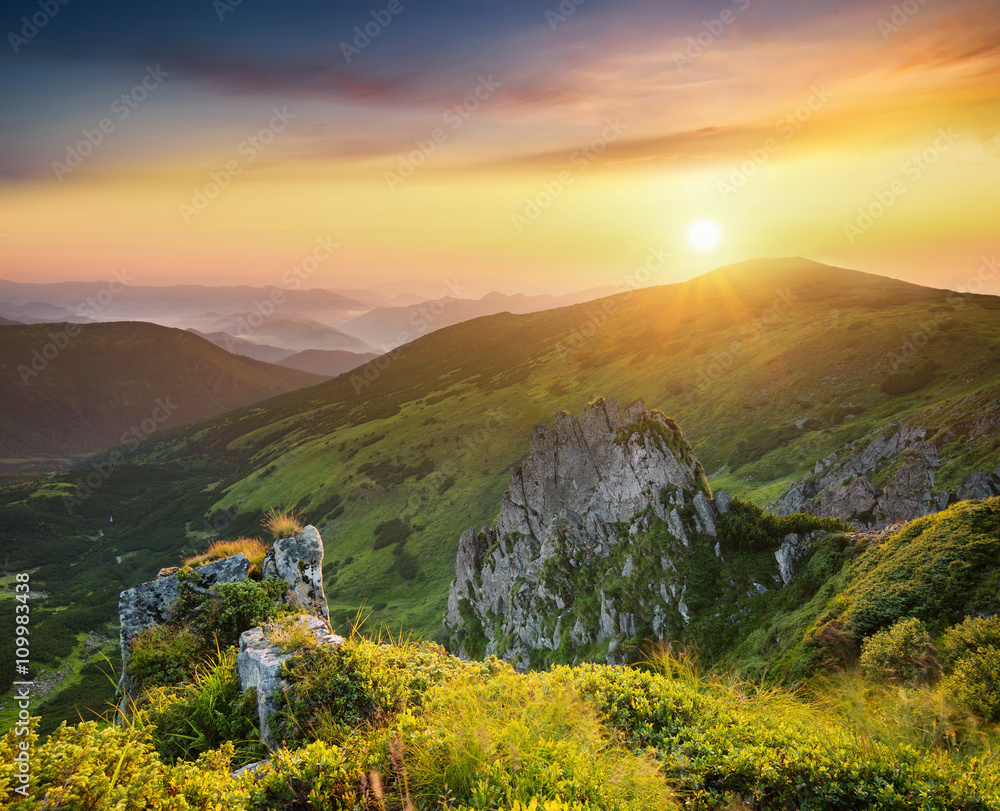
110,377
715,353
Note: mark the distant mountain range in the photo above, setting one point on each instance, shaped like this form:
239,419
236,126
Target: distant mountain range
72,389
326,362
389,327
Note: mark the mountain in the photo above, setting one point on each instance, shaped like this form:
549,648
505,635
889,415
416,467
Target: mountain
74,389
770,366
326,362
121,299
278,328
389,327
38,312
240,346
610,542
7,322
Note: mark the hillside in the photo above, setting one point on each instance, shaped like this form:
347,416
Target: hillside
69,390
769,366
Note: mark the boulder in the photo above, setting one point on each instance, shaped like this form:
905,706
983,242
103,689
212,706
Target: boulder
298,560
259,664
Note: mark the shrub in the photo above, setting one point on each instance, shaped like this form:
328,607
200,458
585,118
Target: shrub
202,714
91,766
281,524
902,654
163,655
232,608
970,636
253,549
974,682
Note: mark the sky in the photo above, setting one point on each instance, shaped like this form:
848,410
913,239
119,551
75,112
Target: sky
521,146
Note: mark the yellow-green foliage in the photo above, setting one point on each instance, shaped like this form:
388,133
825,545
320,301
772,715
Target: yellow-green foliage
94,766
281,524
902,654
253,549
517,738
290,634
419,729
202,714
938,568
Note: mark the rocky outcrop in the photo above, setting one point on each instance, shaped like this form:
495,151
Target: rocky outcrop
259,665
903,462
583,502
155,602
299,561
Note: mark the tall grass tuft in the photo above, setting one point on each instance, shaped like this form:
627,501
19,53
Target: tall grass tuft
253,549
522,737
281,524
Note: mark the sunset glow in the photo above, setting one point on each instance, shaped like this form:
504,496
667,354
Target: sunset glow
519,149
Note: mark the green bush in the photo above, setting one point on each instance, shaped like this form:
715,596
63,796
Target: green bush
232,608
971,635
974,682
202,714
902,654
162,655
747,526
96,767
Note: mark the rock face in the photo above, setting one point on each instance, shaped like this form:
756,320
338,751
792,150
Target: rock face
299,561
259,664
154,603
903,460
590,487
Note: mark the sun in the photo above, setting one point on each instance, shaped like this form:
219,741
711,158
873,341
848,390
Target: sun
704,235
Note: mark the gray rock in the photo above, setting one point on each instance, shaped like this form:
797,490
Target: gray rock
259,665
155,603
979,485
723,501
705,513
299,561
582,477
